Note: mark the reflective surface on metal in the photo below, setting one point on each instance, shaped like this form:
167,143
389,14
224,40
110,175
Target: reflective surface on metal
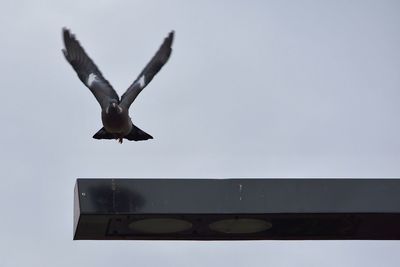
160,225
240,226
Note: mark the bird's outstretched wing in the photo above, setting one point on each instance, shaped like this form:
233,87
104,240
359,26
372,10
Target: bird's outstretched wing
148,73
87,71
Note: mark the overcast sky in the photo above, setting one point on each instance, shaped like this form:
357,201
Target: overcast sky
252,89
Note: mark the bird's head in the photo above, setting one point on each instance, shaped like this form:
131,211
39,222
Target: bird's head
113,107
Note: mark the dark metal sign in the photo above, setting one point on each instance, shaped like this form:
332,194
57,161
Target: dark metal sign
237,209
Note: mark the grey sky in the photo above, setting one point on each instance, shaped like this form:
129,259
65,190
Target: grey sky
252,89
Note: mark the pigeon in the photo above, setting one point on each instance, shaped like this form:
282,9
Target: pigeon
114,111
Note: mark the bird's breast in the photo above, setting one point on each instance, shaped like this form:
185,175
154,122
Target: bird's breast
118,123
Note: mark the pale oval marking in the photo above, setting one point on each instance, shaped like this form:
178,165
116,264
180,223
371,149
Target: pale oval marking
141,81
92,77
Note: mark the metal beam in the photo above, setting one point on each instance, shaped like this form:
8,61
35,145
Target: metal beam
237,209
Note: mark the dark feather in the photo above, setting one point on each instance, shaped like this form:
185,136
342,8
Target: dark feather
137,135
152,68
84,66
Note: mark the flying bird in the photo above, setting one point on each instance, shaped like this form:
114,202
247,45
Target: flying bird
114,111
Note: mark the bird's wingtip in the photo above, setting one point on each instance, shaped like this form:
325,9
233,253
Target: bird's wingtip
67,34
170,38
65,30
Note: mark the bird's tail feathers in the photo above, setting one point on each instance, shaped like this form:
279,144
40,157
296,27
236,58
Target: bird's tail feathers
103,134
135,135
